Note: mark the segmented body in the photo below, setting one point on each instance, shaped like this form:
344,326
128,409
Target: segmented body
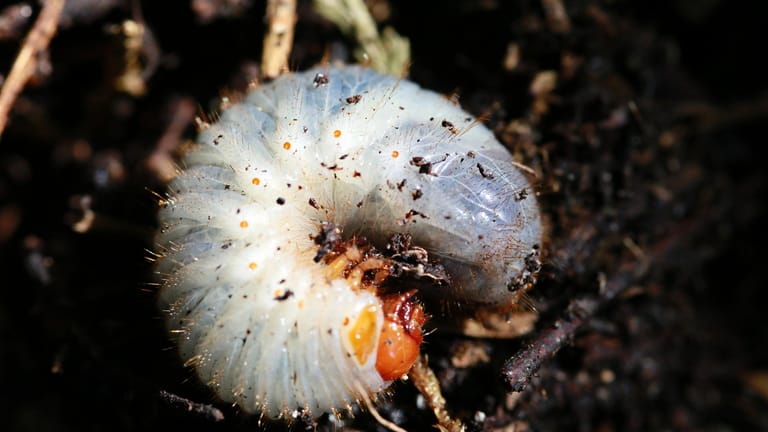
265,324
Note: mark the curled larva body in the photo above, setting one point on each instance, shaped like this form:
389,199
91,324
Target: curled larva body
266,324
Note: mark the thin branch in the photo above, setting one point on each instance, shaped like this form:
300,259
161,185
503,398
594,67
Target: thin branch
426,382
26,61
281,20
205,411
519,369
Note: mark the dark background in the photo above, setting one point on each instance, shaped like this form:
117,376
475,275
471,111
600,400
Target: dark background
83,348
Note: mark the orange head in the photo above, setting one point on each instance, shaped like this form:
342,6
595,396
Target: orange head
401,335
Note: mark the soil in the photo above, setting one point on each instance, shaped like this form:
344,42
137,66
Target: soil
645,150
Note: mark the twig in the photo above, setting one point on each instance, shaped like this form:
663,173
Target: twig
426,382
160,162
281,20
518,370
207,412
26,61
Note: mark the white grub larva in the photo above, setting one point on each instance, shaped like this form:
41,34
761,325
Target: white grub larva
268,321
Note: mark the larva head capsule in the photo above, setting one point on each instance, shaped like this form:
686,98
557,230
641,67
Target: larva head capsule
389,333
401,336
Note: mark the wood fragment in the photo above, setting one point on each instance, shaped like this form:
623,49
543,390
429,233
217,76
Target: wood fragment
428,385
25,64
281,20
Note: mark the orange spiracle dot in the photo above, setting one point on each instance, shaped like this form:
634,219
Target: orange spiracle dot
401,335
287,145
395,153
336,133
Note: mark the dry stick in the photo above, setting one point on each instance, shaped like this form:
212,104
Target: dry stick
205,411
518,370
26,61
281,19
426,382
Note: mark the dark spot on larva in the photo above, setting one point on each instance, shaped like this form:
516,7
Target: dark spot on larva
218,266
467,119
425,167
356,174
227,187
314,204
229,296
245,296
329,331
409,217
401,184
354,99
471,153
300,187
237,211
359,204
226,245
305,129
280,200
334,167
480,237
327,239
284,296
295,377
282,281
402,108
416,194
431,119
521,195
216,140
448,125
486,173
247,331
288,184
320,80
